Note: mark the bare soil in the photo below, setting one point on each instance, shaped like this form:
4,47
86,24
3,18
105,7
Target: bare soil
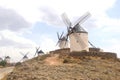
53,60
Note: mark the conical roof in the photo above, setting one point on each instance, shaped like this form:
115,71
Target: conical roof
40,52
7,57
78,28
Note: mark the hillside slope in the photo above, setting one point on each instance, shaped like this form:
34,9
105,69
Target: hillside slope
55,67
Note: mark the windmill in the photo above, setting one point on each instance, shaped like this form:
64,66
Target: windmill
7,59
38,51
62,41
78,35
25,57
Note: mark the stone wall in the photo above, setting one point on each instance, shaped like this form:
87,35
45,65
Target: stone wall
95,49
103,55
61,51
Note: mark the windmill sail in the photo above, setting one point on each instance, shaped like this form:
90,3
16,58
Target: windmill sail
66,20
82,19
25,57
91,44
77,34
38,52
62,40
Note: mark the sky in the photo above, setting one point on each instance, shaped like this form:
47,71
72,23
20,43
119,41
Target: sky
27,24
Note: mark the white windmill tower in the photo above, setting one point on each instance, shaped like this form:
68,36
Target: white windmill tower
7,59
77,35
62,41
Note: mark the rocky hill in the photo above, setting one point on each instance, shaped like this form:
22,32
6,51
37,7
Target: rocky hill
62,65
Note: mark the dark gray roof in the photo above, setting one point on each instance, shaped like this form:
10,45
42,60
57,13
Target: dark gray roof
40,52
78,28
8,57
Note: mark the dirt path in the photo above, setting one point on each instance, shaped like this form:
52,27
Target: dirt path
5,71
53,60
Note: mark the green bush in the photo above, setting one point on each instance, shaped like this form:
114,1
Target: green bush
18,63
65,61
3,63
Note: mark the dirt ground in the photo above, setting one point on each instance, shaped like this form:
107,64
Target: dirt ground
54,68
5,71
53,60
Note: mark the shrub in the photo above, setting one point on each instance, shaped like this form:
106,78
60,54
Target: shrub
65,61
3,63
18,63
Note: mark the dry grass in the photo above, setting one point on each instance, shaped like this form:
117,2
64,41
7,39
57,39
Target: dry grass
85,68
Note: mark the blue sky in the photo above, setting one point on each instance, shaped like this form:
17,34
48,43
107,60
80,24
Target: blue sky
26,24
114,12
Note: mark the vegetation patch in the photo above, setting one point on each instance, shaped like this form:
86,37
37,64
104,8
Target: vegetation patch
3,63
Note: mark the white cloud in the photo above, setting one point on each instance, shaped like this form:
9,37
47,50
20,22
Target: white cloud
50,17
14,53
47,43
11,20
9,38
29,9
50,11
12,44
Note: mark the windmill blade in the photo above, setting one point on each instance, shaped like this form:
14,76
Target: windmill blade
35,54
91,44
58,36
37,49
80,40
61,35
57,43
26,53
68,29
66,41
66,20
66,38
21,59
22,53
82,19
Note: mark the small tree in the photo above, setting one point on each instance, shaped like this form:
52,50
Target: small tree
3,63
